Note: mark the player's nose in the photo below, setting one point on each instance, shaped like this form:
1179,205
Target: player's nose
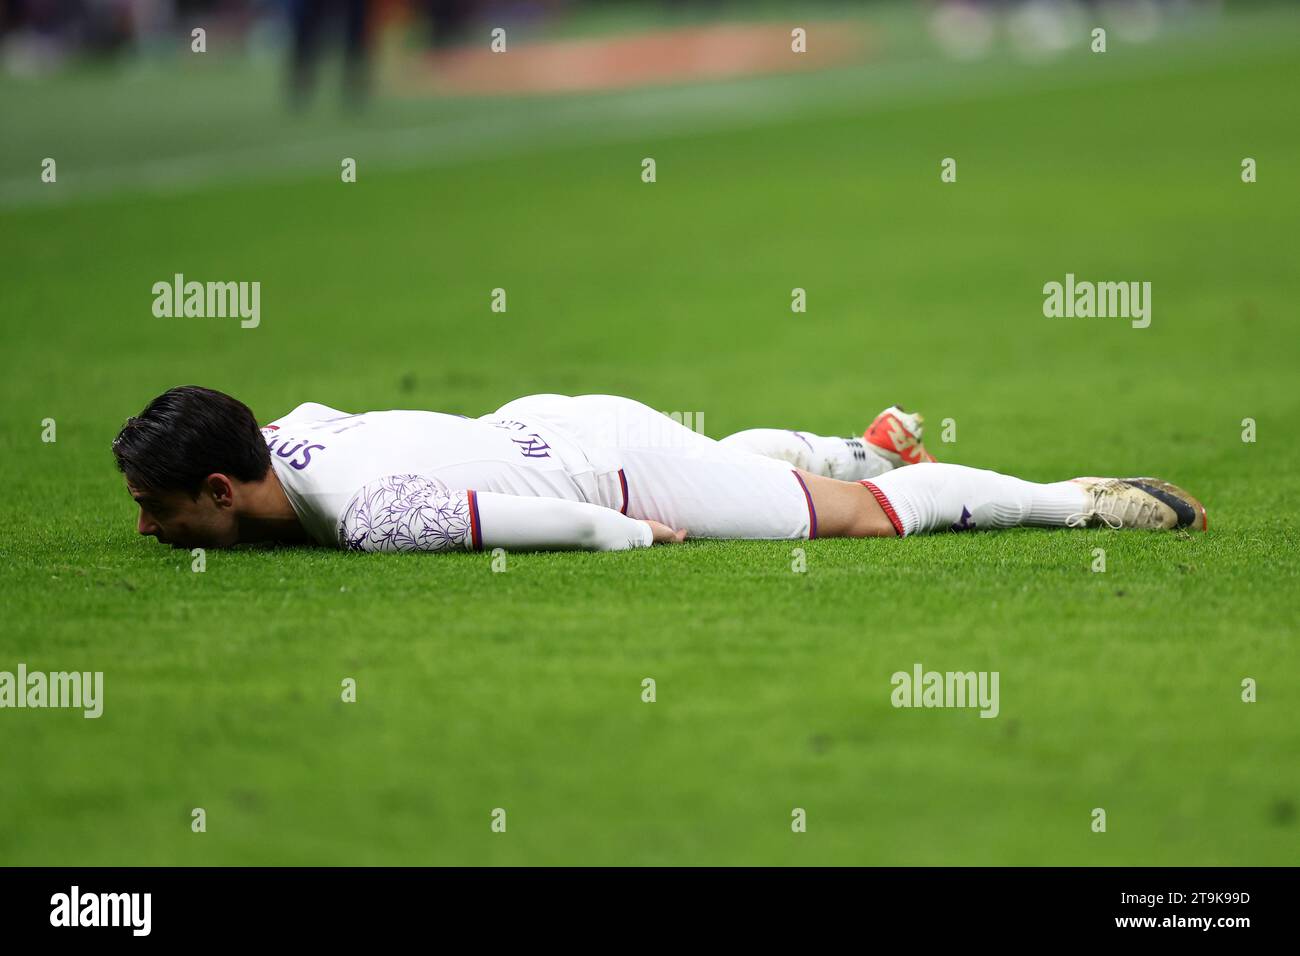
146,526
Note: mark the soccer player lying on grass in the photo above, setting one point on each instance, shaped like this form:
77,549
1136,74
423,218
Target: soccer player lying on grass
551,472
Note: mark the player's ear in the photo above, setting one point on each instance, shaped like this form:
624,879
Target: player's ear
220,489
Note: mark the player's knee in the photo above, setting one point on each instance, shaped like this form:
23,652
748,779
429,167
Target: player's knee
870,520
873,526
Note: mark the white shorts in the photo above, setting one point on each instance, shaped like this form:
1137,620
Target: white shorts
649,466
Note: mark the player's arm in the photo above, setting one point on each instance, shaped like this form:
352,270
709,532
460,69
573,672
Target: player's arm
415,513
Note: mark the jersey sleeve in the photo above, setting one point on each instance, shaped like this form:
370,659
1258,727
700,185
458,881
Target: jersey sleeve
418,513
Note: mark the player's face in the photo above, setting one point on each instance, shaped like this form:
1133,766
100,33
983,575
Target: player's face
184,521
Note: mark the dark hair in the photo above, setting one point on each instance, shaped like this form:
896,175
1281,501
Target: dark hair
186,434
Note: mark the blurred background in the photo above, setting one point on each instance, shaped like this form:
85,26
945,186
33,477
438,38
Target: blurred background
44,35
38,37
250,64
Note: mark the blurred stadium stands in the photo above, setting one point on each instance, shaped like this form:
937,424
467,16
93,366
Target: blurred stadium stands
116,89
40,36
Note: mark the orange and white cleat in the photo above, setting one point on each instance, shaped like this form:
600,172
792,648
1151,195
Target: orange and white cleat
896,434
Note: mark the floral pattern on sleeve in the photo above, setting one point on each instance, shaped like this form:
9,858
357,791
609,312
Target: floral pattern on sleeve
406,513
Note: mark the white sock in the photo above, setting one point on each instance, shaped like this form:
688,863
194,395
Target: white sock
848,459
936,497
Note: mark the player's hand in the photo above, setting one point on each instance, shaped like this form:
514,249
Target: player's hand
666,535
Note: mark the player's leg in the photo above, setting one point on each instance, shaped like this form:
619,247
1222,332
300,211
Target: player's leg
671,474
845,509
937,497
747,497
892,440
717,490
849,459
940,497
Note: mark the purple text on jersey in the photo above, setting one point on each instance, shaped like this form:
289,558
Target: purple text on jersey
288,450
531,445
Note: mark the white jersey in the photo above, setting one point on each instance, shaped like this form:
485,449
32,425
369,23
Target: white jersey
541,471
322,456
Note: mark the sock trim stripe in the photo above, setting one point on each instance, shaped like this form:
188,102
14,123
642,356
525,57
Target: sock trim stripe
890,513
812,512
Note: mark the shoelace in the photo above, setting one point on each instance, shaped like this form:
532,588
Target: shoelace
1119,511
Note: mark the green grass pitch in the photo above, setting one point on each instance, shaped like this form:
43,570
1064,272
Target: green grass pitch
522,690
